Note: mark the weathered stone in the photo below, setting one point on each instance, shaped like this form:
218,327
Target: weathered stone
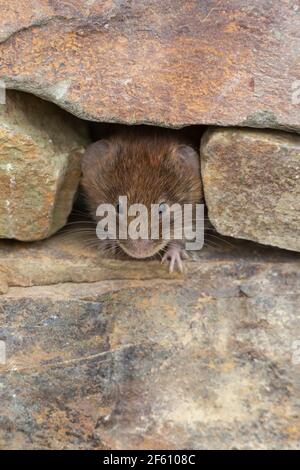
71,258
205,360
170,63
40,151
252,185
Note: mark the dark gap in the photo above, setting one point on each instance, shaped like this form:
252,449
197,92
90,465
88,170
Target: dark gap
103,130
213,240
194,134
100,130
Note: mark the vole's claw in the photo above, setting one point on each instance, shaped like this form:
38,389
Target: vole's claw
175,255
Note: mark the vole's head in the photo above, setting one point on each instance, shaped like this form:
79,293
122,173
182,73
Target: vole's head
148,170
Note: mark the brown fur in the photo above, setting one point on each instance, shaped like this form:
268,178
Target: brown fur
148,166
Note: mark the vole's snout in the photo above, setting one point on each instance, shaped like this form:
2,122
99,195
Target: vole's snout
139,248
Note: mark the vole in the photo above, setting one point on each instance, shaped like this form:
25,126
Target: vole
149,166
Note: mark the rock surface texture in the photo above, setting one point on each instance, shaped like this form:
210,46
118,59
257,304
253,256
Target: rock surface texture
108,354
148,360
252,184
170,63
40,151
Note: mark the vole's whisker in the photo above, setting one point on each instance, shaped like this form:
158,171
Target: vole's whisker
211,244
222,240
80,222
79,230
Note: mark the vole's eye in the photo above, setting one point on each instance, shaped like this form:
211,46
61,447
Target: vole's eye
162,207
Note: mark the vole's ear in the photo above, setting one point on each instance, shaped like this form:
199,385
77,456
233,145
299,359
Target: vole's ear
96,154
187,156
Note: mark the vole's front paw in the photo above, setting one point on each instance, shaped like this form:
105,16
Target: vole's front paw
175,254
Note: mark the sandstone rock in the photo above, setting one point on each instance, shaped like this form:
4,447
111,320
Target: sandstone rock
252,185
149,360
40,148
170,63
53,261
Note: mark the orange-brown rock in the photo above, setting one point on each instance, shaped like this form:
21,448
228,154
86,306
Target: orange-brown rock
40,153
140,359
170,63
251,182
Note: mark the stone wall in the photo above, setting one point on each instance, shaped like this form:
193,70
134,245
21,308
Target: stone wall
40,166
170,63
110,354
120,355
251,181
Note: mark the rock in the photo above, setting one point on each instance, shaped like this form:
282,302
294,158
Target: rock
169,63
3,283
145,360
52,261
40,148
252,185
